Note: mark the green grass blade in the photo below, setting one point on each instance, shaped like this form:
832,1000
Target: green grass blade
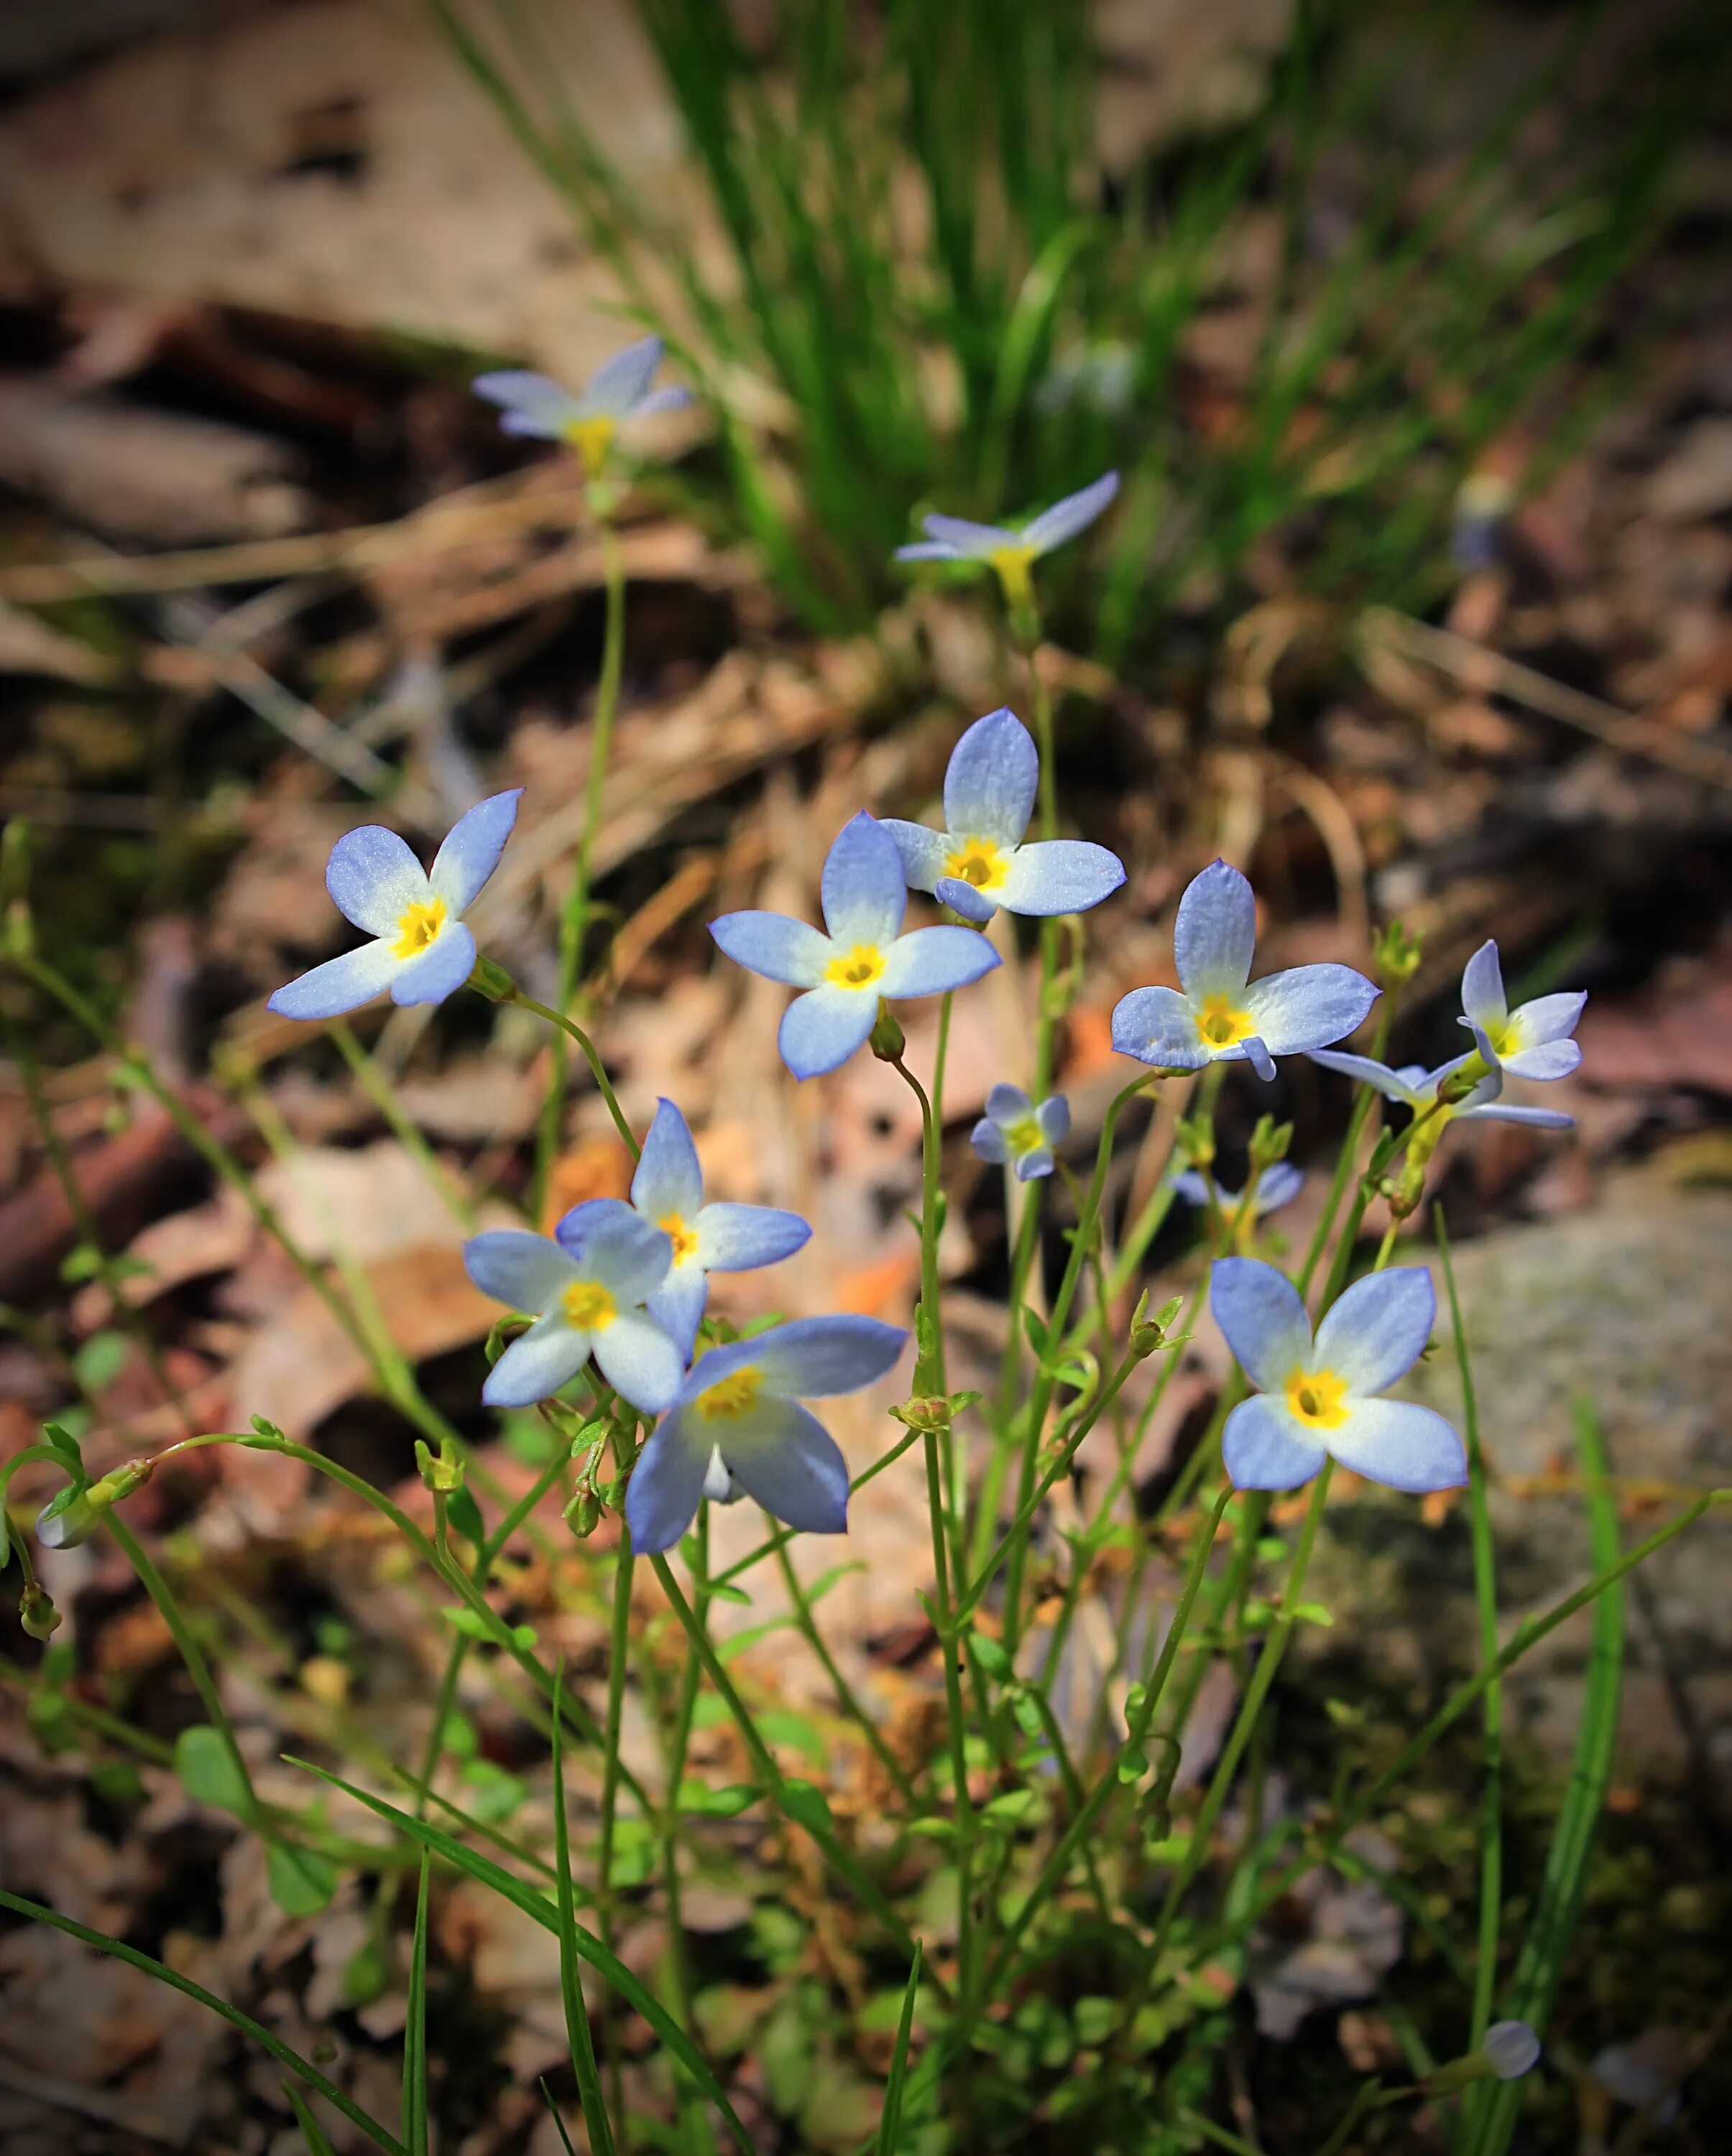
494,1876
571,1989
890,2124
414,2028
312,2133
1533,1987
255,2031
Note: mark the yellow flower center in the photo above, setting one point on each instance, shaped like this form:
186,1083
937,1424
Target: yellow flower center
1318,1398
592,439
1221,1025
1500,1037
1024,1136
589,1306
417,927
979,862
1013,564
684,1239
861,968
730,1398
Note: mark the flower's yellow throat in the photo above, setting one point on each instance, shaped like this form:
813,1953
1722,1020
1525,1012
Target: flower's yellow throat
1221,1025
730,1398
683,1239
592,439
589,1306
861,968
417,927
1318,1398
979,862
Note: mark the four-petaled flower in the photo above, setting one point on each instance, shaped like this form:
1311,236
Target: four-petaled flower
1278,1185
978,861
737,1426
1218,1013
1012,549
589,1303
1015,1133
668,1192
1318,1398
423,952
1532,1041
864,957
1416,1088
533,404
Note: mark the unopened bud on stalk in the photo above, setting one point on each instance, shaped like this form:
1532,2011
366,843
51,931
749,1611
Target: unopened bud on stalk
886,1040
1269,1142
1195,1138
1397,956
490,979
442,1471
36,1612
74,1515
583,1515
1149,1333
1507,2051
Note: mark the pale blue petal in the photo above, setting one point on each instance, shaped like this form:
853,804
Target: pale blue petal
438,971
1546,1019
677,1306
523,1271
814,1356
1263,1448
1255,1051
738,1238
1403,1446
472,848
1262,1318
1377,1329
669,1179
773,945
931,961
534,1368
340,984
638,1361
374,879
1059,875
1483,996
535,397
864,893
991,780
973,541
923,852
1192,1186
821,1030
989,1142
1008,1104
661,1498
964,898
1054,1116
931,550
629,1256
1546,1059
1506,1112
1215,933
573,1230
614,389
1037,1161
1278,1185
1074,514
1393,1085
1159,1026
783,1456
1308,1007
670,399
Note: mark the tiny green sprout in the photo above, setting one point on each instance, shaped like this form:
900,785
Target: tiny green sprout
36,1612
886,1038
265,1437
442,1471
1396,955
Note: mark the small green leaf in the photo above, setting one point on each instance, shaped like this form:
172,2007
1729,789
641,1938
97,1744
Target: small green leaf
806,1804
207,1771
100,1360
301,1881
727,1802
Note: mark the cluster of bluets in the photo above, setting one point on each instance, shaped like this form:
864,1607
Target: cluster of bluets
626,1283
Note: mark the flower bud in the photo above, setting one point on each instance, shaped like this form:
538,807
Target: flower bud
1269,1142
583,1515
886,1040
1194,1135
490,979
1397,956
1507,2050
36,1612
74,1515
442,1471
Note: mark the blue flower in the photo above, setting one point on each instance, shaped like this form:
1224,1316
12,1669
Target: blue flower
1416,1088
668,1192
1531,1042
1013,1131
1278,1185
1012,549
583,1303
1318,1398
1510,2048
534,405
864,957
1214,1016
978,862
737,1426
423,952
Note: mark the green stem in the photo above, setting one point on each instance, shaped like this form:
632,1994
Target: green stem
619,1652
849,1699
574,921
592,1056
372,1082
